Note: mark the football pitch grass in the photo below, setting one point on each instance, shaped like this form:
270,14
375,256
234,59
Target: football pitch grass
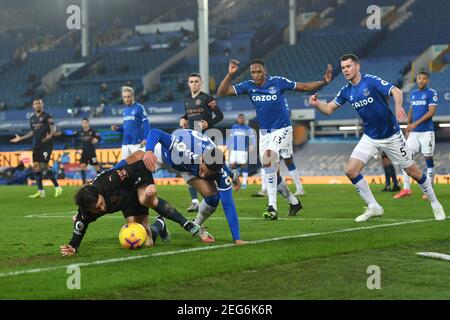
320,254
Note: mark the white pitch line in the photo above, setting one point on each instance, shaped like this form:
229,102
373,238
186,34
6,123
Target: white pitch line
51,215
435,255
167,253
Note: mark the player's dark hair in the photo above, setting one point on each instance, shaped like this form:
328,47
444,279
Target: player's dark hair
36,99
350,56
214,159
240,115
257,61
85,119
87,196
424,73
195,74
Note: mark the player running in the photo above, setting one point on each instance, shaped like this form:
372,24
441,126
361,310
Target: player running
266,95
368,95
89,137
420,130
42,130
199,108
131,190
198,160
135,124
240,143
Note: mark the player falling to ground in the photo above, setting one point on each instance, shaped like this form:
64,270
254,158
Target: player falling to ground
42,130
389,174
420,130
266,95
199,108
197,159
369,94
135,124
131,190
240,143
89,137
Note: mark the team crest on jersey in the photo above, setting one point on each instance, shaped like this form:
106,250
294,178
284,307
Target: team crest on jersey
424,96
41,118
198,102
272,90
366,92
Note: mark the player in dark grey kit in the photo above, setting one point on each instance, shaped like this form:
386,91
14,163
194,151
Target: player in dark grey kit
131,190
199,109
89,137
42,130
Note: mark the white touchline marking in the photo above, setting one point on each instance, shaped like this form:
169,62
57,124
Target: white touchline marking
58,215
436,255
221,246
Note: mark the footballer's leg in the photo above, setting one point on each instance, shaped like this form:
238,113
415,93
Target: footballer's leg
427,187
365,150
295,204
83,167
210,200
38,177
293,172
270,159
166,210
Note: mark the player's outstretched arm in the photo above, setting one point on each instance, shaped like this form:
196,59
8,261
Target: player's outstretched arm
225,89
18,138
315,85
397,94
324,107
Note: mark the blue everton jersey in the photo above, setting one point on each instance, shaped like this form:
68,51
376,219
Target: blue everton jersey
135,124
184,151
370,99
270,104
420,101
240,137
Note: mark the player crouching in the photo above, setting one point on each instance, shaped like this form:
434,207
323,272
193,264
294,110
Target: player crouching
131,190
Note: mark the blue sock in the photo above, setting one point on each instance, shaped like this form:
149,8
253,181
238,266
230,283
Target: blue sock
356,179
193,193
291,167
430,163
226,196
422,180
120,164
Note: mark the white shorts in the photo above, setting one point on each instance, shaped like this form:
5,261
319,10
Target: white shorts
421,141
394,147
287,152
276,140
239,157
128,149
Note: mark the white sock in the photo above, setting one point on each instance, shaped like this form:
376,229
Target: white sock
244,177
271,183
263,181
427,188
204,212
430,174
195,201
284,190
406,180
296,177
362,187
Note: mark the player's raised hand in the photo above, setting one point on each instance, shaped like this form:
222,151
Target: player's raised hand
233,66
94,140
15,139
401,114
67,250
113,127
150,160
313,100
328,74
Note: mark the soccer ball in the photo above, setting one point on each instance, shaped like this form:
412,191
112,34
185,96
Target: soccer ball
132,236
